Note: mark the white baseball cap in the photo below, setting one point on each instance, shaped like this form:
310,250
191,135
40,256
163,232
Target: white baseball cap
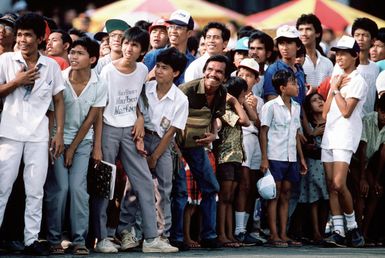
287,31
182,18
266,186
346,43
250,63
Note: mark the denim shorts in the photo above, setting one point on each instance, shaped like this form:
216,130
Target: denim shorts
284,170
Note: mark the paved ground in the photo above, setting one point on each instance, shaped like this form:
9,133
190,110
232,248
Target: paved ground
306,251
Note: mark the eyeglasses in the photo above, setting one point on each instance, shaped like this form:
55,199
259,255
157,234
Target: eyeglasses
176,27
6,27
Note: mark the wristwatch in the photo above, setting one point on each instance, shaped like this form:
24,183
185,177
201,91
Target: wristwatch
335,92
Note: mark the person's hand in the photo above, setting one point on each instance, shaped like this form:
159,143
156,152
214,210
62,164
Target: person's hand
68,157
303,170
310,89
138,128
302,138
27,77
151,161
319,130
364,187
230,99
206,139
57,146
139,144
251,100
378,189
97,155
264,165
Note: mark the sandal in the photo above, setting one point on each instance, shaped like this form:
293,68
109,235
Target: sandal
293,243
277,243
56,249
193,245
80,250
232,245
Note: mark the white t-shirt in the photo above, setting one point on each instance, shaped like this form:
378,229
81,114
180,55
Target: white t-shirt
315,74
369,72
380,82
195,69
345,133
123,94
161,114
24,116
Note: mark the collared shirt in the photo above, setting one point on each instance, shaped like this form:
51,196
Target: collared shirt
195,92
24,115
315,74
195,69
150,61
345,133
268,88
123,94
77,107
283,127
369,72
161,114
371,134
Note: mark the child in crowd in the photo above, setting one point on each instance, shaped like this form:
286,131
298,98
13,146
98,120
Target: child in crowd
230,155
313,184
280,145
84,97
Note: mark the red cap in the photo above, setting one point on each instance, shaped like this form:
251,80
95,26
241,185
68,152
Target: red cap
158,23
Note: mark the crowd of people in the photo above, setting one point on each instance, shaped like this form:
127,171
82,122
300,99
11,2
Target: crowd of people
192,121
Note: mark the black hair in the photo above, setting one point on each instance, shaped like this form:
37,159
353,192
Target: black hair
367,25
311,19
65,37
51,23
219,26
172,57
31,21
381,103
301,52
245,31
221,59
76,32
281,78
297,41
235,86
139,35
307,106
192,45
381,35
266,40
90,45
144,25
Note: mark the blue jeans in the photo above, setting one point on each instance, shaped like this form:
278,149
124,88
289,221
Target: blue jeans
203,173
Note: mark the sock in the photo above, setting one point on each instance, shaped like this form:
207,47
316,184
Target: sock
351,221
338,224
239,222
247,215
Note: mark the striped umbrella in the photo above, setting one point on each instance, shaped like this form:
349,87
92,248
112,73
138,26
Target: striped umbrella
332,14
150,10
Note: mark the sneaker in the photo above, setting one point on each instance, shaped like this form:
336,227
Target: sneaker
116,242
247,240
256,235
335,240
105,246
158,246
355,238
37,248
128,240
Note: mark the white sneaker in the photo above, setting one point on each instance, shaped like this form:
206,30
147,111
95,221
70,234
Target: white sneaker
105,246
158,246
128,240
115,242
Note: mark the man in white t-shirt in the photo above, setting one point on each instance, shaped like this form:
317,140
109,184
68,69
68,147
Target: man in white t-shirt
216,36
29,82
122,135
316,67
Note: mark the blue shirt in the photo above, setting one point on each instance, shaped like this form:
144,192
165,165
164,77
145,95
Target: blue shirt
268,88
150,61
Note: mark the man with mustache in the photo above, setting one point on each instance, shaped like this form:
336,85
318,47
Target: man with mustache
207,101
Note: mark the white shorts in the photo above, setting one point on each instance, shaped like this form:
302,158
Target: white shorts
336,155
253,151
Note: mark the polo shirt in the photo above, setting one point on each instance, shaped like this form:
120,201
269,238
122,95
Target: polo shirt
371,134
160,114
268,88
283,127
195,92
24,119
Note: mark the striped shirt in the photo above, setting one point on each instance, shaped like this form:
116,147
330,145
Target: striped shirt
315,74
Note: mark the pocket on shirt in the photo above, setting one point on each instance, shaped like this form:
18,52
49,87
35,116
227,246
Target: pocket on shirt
45,91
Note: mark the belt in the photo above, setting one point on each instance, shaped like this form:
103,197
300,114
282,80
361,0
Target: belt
147,131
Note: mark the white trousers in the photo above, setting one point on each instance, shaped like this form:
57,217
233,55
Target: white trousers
35,157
